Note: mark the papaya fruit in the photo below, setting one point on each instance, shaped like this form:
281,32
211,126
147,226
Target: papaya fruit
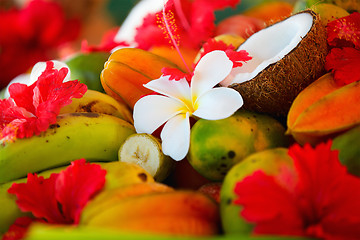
126,71
271,161
176,213
348,145
217,145
323,110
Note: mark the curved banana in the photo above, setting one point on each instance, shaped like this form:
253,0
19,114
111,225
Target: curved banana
95,101
93,136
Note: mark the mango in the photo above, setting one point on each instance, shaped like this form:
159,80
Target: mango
271,161
323,110
174,213
348,145
126,71
348,5
270,12
217,145
109,197
329,12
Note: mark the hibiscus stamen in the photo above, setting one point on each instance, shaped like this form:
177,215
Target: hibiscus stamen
167,24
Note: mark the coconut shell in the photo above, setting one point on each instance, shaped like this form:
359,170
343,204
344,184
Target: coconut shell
273,90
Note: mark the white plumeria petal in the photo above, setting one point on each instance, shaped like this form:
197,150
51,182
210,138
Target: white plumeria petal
218,103
176,89
211,70
175,137
152,111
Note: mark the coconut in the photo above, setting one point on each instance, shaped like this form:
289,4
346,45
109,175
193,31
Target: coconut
286,57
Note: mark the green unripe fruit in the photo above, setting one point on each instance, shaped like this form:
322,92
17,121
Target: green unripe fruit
217,145
271,161
348,145
87,67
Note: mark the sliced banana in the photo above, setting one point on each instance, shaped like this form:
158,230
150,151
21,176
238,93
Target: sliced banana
145,150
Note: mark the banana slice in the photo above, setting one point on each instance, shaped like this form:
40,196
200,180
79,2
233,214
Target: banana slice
145,150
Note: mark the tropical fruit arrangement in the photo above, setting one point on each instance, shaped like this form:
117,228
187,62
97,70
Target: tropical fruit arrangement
200,119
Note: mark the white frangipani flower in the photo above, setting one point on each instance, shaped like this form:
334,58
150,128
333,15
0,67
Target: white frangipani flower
179,101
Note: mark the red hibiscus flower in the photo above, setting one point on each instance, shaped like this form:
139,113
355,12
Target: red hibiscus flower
324,203
194,23
31,109
58,199
344,57
235,56
345,31
344,63
31,35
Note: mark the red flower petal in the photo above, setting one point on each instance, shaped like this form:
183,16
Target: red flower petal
33,32
76,185
345,31
332,196
267,204
37,106
325,202
194,21
37,196
176,74
61,197
235,56
18,229
342,63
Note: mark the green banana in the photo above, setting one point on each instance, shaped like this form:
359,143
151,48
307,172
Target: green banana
93,136
118,174
95,101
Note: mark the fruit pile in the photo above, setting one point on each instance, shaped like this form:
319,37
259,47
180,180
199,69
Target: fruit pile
201,124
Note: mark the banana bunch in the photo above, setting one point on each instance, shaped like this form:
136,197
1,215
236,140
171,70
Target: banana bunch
118,174
92,127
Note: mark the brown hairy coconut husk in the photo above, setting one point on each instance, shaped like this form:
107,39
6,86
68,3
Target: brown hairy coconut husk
287,57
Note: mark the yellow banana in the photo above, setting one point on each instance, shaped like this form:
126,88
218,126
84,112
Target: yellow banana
145,150
95,101
93,136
